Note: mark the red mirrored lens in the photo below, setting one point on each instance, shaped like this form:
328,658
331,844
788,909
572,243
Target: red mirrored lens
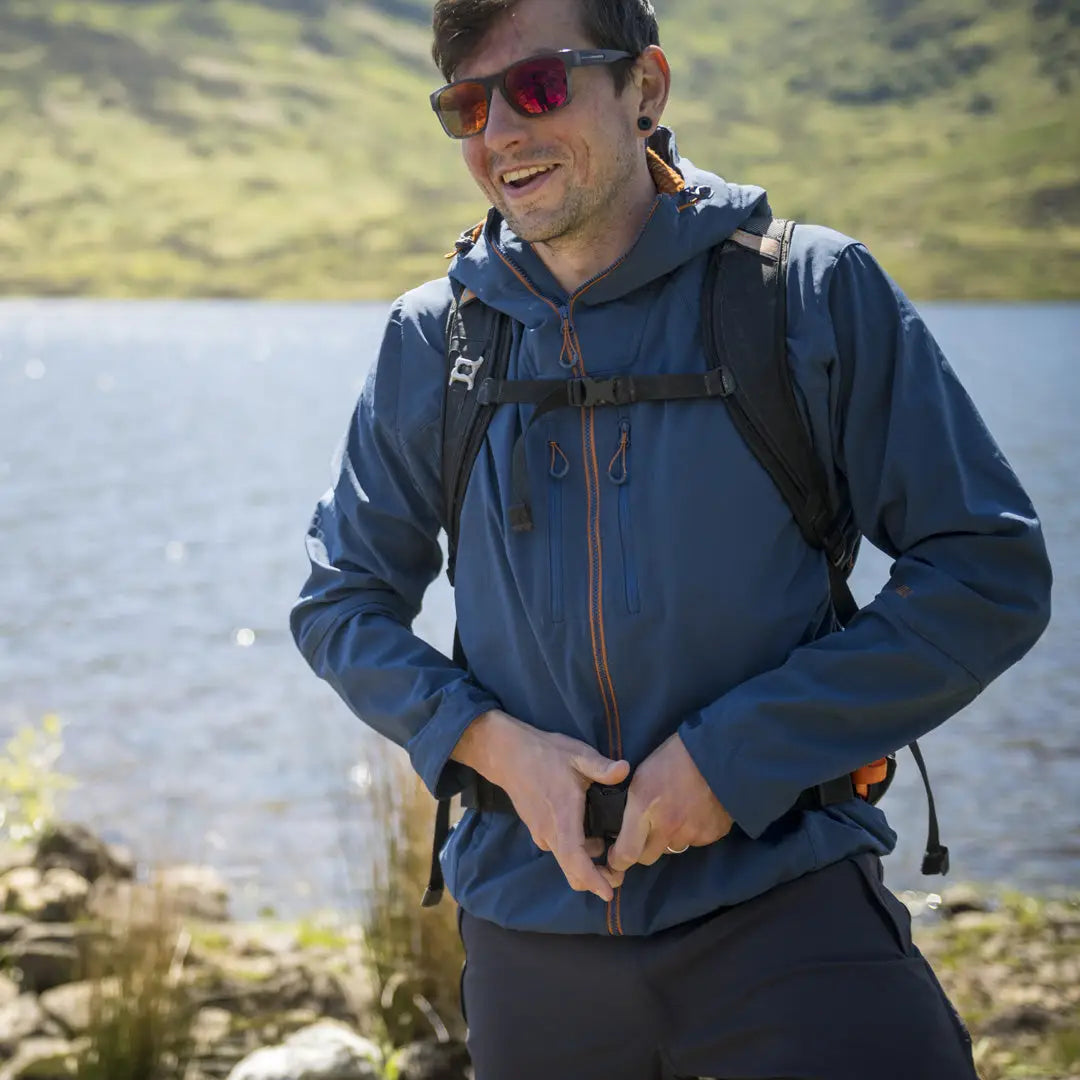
538,86
464,109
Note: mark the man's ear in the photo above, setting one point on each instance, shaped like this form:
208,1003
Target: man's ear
651,77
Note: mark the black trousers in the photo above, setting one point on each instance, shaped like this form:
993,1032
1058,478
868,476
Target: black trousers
817,979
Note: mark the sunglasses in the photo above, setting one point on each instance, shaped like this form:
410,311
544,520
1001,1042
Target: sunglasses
531,87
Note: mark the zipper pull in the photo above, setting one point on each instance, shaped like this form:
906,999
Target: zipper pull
560,463
566,357
618,469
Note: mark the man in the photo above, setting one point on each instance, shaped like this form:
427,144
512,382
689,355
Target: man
664,618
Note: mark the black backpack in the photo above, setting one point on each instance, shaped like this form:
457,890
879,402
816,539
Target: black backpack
748,372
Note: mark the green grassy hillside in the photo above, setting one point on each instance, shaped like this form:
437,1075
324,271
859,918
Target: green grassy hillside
285,147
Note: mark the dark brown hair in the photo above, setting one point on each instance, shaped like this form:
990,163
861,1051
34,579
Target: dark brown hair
460,26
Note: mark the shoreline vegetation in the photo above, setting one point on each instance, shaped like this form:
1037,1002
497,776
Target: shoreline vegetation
112,970
284,149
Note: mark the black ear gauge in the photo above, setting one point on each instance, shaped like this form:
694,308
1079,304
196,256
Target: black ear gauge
644,123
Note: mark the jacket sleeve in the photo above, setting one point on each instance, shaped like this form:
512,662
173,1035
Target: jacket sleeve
968,594
373,549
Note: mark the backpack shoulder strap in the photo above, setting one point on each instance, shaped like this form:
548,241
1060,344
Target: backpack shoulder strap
744,325
478,341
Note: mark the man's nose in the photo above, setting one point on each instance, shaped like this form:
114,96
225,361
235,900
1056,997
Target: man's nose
505,127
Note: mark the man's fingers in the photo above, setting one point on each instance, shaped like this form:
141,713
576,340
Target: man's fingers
631,841
582,874
613,877
655,849
599,769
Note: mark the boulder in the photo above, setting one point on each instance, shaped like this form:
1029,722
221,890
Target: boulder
10,925
43,1059
74,847
12,856
9,990
71,1005
56,895
196,891
431,1061
43,964
210,1027
1023,1019
960,898
19,1019
323,1051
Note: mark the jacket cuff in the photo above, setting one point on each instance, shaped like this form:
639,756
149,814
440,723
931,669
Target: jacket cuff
430,748
751,804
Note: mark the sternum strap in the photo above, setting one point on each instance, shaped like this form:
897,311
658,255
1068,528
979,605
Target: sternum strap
587,393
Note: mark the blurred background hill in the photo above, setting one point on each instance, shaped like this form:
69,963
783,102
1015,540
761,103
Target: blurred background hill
285,148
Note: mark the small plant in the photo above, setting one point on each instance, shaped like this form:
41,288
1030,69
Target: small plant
140,1009
29,782
414,954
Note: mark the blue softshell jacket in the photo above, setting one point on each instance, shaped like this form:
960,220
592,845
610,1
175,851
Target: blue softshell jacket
665,586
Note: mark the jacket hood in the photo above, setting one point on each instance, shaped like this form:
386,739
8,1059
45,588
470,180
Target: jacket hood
694,210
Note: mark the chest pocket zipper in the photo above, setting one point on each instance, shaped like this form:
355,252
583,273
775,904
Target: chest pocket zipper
619,475
559,467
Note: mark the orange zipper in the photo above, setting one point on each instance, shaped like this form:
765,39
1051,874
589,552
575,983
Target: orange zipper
572,346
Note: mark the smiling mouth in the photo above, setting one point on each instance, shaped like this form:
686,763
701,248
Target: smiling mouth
522,180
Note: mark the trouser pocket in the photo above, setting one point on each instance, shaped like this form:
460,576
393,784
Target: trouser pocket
894,913
465,963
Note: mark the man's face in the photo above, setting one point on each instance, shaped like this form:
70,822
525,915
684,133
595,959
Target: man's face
588,147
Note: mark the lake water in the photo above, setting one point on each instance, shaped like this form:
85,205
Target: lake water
158,466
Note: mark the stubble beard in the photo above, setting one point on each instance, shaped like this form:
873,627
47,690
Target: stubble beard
585,212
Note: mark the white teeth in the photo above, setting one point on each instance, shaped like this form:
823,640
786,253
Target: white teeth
524,174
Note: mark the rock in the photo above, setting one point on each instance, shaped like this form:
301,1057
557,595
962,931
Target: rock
324,1051
210,1027
17,883
13,856
43,1059
432,1061
1030,1018
57,895
19,1019
196,891
43,964
958,898
74,847
10,925
70,1005
123,903
9,990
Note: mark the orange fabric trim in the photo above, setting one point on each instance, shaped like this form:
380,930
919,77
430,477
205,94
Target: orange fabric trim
865,775
873,773
666,179
477,229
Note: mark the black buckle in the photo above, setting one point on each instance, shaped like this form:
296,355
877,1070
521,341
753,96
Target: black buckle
604,808
588,393
936,860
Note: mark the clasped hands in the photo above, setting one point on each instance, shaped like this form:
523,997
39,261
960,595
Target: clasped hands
669,804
